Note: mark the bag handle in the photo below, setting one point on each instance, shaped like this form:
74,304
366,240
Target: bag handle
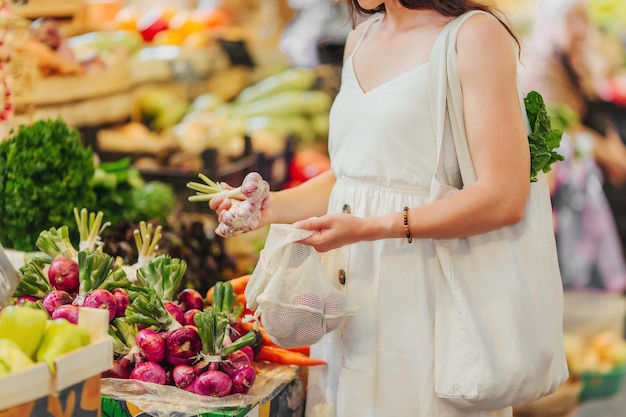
446,102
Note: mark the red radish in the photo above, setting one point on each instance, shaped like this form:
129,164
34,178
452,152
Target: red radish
234,361
235,330
56,298
27,298
151,344
183,344
68,312
100,298
183,376
175,311
172,360
189,316
213,383
121,301
249,352
63,274
149,372
121,369
242,380
189,299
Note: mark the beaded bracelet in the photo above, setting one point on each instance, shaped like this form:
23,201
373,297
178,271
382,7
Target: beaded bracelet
405,220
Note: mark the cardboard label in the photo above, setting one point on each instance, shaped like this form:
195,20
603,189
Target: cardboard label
9,278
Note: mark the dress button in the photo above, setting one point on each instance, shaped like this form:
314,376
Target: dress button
341,277
346,209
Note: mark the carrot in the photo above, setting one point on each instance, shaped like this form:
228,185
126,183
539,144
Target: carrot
284,356
238,283
305,350
241,298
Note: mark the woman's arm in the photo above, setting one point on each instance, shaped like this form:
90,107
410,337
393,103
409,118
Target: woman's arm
308,199
498,144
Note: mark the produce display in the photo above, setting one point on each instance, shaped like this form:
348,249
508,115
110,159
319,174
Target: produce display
28,335
167,131
163,333
283,104
46,171
58,55
172,25
602,353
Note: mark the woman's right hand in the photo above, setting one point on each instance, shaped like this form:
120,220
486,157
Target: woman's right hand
221,204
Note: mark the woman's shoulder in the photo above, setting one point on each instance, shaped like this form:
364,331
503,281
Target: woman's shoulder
483,34
356,34
481,28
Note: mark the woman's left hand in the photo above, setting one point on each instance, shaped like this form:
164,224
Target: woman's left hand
331,231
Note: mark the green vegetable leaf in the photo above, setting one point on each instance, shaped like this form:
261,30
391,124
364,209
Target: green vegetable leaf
94,269
543,139
149,309
33,281
163,275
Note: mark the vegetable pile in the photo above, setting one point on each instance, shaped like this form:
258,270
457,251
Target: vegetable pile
181,343
45,171
543,140
28,335
162,332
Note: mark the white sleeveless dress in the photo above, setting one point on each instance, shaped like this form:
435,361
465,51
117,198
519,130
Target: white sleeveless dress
383,153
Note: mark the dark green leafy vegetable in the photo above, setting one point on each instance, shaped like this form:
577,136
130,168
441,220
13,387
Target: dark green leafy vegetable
45,172
154,201
543,139
123,194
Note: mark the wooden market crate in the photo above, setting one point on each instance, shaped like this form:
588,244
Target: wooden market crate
68,12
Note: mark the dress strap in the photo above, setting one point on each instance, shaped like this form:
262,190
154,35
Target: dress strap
365,31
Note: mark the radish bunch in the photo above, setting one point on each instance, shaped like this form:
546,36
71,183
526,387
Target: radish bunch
92,280
247,201
202,356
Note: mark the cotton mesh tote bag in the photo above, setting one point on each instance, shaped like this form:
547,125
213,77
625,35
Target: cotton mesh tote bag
499,310
290,291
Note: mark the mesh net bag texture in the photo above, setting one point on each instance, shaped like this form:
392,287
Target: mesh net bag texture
291,293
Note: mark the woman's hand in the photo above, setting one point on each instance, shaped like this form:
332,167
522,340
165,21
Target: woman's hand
221,204
332,230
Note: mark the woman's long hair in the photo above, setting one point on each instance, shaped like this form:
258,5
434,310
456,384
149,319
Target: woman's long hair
450,8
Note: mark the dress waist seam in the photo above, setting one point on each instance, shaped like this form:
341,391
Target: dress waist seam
417,189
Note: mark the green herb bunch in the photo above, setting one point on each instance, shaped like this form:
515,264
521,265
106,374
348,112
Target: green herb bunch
543,139
45,171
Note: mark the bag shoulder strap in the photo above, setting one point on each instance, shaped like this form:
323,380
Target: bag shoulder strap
446,101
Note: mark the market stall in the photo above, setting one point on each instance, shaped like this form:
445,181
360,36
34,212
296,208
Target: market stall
135,113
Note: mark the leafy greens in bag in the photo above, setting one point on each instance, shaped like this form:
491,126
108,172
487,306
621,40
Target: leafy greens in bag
543,140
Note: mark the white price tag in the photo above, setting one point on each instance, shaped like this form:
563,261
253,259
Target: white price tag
9,278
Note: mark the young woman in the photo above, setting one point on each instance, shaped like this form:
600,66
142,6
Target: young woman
383,156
